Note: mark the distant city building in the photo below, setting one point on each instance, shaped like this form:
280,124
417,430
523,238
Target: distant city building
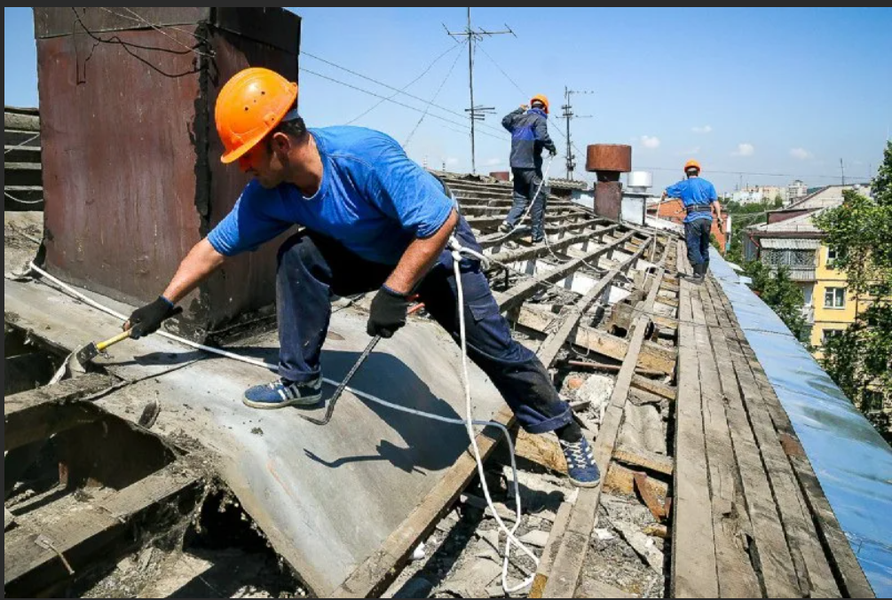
796,190
759,193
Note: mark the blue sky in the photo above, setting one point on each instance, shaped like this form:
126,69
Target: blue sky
759,96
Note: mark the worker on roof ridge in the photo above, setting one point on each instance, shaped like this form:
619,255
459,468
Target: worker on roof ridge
529,135
700,200
374,220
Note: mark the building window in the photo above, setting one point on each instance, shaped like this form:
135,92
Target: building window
830,333
794,259
835,298
832,256
808,292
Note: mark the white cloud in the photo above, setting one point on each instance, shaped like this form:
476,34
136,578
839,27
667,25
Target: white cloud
744,150
800,153
451,161
704,129
492,162
650,141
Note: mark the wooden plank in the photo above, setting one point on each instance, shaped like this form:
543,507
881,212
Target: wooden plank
671,286
574,543
626,312
847,570
815,576
30,566
645,459
549,553
36,414
813,570
482,222
494,239
650,500
555,341
515,296
541,450
501,200
681,259
694,571
772,554
654,387
621,480
737,578
379,570
653,357
671,302
587,364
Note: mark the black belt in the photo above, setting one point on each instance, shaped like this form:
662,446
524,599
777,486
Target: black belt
698,208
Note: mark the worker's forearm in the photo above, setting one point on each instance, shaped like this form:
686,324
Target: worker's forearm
419,257
201,261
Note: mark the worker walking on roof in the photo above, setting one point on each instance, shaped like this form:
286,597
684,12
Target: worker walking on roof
374,221
700,200
529,135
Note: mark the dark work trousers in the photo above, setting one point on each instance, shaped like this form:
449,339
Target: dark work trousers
526,182
696,236
312,267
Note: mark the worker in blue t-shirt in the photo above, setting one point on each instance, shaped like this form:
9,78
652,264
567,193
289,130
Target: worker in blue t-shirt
700,200
374,220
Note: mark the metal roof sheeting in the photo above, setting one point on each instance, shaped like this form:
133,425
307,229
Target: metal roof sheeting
790,243
852,461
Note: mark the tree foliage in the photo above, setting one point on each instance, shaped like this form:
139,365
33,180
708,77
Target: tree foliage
860,359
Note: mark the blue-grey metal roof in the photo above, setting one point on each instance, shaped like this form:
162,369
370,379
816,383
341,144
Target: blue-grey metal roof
851,459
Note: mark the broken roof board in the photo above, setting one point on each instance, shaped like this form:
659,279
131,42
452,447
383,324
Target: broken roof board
327,497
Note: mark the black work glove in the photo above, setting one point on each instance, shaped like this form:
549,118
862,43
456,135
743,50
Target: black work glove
552,151
148,319
388,313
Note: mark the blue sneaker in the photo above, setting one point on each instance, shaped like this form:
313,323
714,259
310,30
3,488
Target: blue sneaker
284,393
581,463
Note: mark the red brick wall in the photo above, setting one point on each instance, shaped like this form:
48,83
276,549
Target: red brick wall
673,210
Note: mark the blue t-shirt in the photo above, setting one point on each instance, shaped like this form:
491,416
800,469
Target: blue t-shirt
373,199
694,191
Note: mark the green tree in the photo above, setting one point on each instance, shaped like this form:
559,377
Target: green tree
860,359
778,201
742,216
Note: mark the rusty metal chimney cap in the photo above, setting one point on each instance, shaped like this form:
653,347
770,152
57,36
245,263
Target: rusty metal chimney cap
609,157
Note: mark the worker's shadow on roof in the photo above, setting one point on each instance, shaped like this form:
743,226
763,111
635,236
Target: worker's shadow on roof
429,445
148,359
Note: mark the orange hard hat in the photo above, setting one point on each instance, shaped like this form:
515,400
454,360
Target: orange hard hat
692,164
540,98
249,106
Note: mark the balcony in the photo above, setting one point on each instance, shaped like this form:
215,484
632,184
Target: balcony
803,274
